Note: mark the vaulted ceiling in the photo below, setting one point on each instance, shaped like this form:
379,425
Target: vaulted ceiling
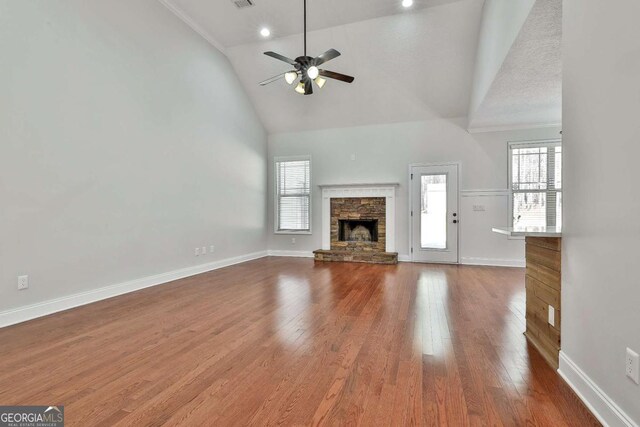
410,64
527,90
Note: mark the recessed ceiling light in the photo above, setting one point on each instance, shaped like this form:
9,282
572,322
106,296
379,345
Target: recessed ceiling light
265,32
407,3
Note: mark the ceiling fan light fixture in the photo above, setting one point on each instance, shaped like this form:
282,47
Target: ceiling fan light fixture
265,32
291,77
407,3
306,67
313,72
300,89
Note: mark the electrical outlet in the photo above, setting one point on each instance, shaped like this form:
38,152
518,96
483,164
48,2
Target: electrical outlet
293,240
212,248
23,282
552,316
353,157
204,250
197,251
633,365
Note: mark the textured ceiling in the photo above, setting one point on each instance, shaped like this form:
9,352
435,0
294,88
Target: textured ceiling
528,88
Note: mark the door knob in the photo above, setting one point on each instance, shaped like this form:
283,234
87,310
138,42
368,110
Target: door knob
455,221
455,214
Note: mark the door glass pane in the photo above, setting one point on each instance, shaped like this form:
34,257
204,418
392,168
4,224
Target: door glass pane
433,211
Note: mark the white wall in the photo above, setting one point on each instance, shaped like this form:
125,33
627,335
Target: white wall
125,142
383,154
601,236
501,24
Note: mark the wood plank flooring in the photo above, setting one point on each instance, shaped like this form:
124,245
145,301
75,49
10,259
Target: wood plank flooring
284,341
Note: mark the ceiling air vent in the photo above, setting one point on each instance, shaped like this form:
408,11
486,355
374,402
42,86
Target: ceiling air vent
241,4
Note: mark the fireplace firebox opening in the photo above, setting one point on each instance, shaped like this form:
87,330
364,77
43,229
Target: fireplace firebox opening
358,230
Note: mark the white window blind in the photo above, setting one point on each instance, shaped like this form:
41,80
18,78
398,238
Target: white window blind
293,198
536,183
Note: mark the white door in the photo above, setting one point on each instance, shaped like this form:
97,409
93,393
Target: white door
434,213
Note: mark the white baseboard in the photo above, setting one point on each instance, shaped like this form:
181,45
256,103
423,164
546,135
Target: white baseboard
404,258
601,405
294,254
493,262
28,312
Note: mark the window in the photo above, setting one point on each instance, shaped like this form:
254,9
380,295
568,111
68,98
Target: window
535,171
293,194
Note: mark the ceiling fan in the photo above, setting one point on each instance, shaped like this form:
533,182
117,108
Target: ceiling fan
306,67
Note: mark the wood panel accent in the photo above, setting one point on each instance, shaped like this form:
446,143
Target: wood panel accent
543,284
544,274
286,341
547,294
543,256
554,243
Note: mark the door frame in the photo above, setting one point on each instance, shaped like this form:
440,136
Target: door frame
409,211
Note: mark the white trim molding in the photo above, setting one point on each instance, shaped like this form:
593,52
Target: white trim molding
493,262
601,405
484,193
512,127
182,15
33,311
292,254
388,191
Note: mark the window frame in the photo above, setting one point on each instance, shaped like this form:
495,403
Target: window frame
524,144
276,191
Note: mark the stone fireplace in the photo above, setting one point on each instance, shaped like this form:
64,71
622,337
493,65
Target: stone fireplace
356,222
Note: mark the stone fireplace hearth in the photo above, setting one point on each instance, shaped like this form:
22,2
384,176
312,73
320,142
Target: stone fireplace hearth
356,221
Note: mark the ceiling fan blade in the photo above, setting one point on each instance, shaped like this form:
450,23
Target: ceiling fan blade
281,58
272,79
327,56
308,87
337,76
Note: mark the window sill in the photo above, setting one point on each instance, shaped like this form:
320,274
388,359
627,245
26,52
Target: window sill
293,232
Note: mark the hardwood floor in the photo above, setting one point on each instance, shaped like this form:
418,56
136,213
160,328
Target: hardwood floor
284,341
